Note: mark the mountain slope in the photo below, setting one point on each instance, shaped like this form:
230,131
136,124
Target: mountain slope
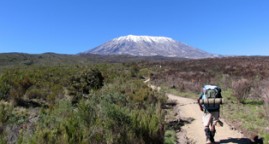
148,46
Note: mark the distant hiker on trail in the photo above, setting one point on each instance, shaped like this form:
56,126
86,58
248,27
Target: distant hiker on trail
209,102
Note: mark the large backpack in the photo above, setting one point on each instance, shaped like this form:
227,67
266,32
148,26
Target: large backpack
211,92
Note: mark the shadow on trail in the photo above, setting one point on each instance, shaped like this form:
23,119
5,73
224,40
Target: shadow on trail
177,124
241,141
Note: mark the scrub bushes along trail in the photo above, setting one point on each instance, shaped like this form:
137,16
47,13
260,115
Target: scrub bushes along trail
101,103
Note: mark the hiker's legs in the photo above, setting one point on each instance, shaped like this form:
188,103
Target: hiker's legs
207,134
214,120
212,129
207,120
212,132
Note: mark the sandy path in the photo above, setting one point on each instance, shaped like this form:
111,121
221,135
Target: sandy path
195,130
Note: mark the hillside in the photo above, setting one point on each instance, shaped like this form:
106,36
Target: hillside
22,59
9,59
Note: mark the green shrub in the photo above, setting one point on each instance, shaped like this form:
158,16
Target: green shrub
147,124
36,93
5,112
84,82
87,111
170,137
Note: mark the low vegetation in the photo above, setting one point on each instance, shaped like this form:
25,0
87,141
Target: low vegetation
52,98
90,103
170,136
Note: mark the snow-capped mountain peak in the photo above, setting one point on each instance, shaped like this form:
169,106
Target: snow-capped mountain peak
148,46
134,38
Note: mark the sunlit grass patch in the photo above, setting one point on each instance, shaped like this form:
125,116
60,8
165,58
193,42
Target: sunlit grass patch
170,137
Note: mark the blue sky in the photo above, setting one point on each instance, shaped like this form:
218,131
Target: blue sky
227,27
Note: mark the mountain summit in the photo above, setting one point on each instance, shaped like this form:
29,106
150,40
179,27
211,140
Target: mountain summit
148,46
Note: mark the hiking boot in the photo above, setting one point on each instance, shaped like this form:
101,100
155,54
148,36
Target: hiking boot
208,135
212,135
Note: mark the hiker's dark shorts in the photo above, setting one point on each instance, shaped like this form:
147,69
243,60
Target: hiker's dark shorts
210,118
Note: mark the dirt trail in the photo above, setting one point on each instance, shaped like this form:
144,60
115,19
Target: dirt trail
188,108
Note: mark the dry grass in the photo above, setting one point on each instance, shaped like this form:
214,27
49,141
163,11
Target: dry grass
241,89
265,96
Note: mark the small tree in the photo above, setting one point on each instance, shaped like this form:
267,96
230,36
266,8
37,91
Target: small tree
84,82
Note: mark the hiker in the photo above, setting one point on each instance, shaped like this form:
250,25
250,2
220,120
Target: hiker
209,102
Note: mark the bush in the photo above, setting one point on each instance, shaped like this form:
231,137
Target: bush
241,89
5,112
147,124
36,93
84,82
170,137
